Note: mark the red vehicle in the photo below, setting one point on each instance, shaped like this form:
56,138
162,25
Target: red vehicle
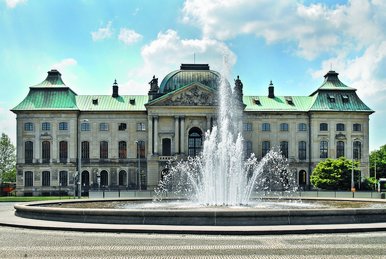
7,188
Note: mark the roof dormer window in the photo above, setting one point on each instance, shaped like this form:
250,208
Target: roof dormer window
331,98
345,98
289,100
256,100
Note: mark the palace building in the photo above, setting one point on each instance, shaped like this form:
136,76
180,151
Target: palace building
125,141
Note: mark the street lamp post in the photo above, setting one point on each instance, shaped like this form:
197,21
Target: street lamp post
139,165
79,182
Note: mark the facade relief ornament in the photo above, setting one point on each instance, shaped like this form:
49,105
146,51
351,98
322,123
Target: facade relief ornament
193,97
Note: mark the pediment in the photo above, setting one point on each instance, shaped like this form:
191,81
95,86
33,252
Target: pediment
195,94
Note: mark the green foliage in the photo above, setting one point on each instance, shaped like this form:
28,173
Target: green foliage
7,159
369,183
334,174
378,158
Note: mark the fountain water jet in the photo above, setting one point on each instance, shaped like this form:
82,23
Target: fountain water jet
221,175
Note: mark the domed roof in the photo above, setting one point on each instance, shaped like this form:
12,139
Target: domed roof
190,73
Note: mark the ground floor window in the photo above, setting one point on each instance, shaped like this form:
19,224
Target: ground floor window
28,179
194,142
104,179
46,178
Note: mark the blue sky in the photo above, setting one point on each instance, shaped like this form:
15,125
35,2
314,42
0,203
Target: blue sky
292,43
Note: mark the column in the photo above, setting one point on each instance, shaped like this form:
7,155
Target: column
156,135
150,135
182,144
176,135
208,126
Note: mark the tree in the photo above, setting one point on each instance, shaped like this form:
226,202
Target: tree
378,158
7,160
334,174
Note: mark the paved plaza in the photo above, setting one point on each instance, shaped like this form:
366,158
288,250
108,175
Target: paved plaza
20,242
28,243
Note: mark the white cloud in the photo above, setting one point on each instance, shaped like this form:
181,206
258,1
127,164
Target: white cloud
351,34
14,3
167,51
102,33
63,64
128,36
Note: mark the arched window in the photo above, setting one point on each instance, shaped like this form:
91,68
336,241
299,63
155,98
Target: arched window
284,148
29,152
85,151
122,149
357,150
166,147
104,150
302,127
46,178
194,142
283,126
248,148
323,149
63,151
46,152
104,178
28,179
266,146
339,149
323,126
302,150
122,178
63,178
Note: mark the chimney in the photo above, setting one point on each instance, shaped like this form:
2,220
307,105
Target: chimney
115,89
271,92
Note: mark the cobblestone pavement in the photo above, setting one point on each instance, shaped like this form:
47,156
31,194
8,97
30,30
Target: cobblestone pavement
28,243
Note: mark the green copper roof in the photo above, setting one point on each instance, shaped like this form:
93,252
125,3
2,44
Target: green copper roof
332,82
109,103
51,94
190,73
278,103
339,101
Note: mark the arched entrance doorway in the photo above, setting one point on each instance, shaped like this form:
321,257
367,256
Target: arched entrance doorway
122,178
194,141
302,179
85,183
104,179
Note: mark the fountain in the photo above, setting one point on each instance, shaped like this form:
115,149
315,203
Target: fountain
220,180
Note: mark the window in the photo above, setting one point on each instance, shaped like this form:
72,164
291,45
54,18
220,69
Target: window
140,149
46,152
357,127
284,148
63,178
357,150
85,126
340,127
194,142
323,149
63,126
28,126
103,126
28,152
63,151
248,148
266,127
331,98
302,150
122,126
28,179
46,126
166,147
302,177
122,149
302,127
85,146
266,146
323,126
345,98
46,178
247,126
339,149
141,126
283,126
104,150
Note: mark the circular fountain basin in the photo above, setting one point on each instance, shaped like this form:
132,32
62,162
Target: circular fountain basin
80,211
